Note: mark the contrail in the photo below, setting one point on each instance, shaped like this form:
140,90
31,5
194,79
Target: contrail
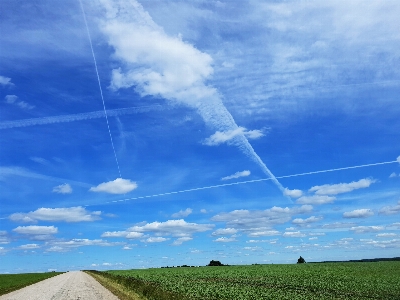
255,180
78,117
101,90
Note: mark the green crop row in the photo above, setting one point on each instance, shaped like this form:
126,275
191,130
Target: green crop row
379,280
13,282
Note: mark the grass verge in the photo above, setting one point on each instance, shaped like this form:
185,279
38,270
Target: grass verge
131,288
13,282
118,289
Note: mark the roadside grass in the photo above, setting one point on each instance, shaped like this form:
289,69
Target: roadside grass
13,282
128,288
118,289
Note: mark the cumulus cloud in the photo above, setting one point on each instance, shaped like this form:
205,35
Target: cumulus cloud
14,100
117,186
156,239
37,232
366,229
358,213
4,239
29,246
176,228
181,240
65,246
334,189
294,234
225,240
237,175
250,221
63,189
220,137
257,232
4,81
224,231
390,210
337,225
386,235
315,199
70,214
182,213
398,159
293,193
301,222
393,175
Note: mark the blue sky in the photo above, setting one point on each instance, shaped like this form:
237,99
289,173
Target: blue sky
161,133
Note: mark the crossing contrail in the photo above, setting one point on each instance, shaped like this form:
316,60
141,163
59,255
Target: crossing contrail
101,90
79,117
255,180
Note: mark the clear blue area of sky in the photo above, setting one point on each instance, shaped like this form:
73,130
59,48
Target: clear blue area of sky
219,115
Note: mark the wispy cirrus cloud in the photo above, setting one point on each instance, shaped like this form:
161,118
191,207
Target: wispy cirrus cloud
237,175
117,186
70,215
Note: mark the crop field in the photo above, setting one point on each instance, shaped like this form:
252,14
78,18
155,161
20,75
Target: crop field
375,280
13,282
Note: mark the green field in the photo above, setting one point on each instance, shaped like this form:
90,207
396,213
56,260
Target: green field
375,280
12,282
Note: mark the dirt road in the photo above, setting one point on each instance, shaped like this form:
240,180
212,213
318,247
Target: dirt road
67,286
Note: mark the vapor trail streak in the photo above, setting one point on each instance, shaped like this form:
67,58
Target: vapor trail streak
77,117
101,90
255,180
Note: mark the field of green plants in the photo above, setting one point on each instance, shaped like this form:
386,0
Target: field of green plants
375,280
13,282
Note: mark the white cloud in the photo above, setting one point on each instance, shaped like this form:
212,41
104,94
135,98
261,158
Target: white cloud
315,199
358,213
5,81
390,210
294,234
225,240
157,65
4,239
366,229
337,225
29,246
13,99
70,214
63,189
64,246
334,189
181,240
156,239
36,230
203,211
182,213
237,175
309,220
385,235
224,231
393,175
117,186
177,228
220,137
250,221
255,233
398,159
293,193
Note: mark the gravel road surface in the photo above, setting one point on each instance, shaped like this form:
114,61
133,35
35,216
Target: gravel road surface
67,286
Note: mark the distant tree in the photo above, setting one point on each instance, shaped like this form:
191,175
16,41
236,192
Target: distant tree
215,263
301,260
